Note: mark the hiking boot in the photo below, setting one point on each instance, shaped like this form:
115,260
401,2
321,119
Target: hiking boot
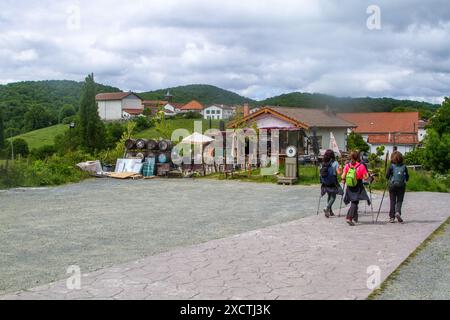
327,212
399,218
350,222
392,220
332,213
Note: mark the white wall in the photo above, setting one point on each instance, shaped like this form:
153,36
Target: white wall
214,113
340,135
422,134
269,121
110,110
132,102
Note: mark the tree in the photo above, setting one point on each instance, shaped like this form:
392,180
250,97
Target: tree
355,141
38,117
437,142
440,122
91,128
66,111
20,147
437,151
2,132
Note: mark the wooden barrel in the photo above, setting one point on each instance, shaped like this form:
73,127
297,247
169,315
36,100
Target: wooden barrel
130,144
141,144
164,157
165,145
140,155
152,145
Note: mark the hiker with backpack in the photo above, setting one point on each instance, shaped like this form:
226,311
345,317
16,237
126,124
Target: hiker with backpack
329,173
353,176
397,176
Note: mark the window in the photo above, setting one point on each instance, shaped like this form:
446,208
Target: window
208,111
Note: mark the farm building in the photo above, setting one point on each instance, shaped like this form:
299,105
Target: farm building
117,105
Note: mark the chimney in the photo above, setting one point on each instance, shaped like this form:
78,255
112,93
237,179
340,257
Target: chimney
246,110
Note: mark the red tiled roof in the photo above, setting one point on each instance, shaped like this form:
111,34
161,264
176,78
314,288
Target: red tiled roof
305,118
383,122
155,103
113,96
393,139
193,105
176,105
133,111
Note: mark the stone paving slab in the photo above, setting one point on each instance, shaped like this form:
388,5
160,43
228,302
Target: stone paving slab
310,258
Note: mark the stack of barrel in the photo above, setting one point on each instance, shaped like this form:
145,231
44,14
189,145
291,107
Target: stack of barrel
158,151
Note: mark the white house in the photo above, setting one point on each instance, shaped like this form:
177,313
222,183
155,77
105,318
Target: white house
218,112
118,105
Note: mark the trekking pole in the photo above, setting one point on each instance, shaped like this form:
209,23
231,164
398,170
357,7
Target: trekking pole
379,210
342,198
318,206
371,201
387,183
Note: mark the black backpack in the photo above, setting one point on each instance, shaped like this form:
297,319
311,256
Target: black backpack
327,176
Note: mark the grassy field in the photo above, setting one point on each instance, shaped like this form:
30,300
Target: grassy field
42,137
177,124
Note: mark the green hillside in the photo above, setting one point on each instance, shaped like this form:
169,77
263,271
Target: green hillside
42,137
17,98
205,94
178,124
321,101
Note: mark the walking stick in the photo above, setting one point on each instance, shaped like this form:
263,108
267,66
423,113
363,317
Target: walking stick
387,183
342,198
318,206
379,209
371,201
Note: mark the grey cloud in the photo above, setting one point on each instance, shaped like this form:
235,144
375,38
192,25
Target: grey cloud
256,48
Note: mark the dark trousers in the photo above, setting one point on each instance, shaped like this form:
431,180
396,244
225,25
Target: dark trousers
352,213
331,199
396,196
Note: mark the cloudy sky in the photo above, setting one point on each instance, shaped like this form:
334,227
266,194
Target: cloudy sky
256,48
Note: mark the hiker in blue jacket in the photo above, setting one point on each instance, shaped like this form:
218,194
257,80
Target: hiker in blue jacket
329,181
397,175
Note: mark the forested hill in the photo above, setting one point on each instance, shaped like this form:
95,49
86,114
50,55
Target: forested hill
320,101
39,99
205,94
33,105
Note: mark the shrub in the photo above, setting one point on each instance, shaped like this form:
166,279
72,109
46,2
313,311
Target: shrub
43,152
415,157
19,147
192,115
356,142
54,170
142,123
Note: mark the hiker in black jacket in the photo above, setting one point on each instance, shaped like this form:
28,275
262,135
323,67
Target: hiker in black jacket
329,173
397,175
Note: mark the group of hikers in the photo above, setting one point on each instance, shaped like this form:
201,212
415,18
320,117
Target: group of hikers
354,175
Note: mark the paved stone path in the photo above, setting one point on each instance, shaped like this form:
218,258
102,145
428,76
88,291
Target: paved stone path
310,258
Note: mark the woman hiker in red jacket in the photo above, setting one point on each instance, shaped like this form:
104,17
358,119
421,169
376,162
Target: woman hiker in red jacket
353,176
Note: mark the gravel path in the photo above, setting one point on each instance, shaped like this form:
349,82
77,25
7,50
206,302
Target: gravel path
426,275
103,222
307,258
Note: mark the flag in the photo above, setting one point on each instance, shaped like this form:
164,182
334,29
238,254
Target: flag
333,144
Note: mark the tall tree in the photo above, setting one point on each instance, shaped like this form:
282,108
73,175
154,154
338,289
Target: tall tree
2,132
92,129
